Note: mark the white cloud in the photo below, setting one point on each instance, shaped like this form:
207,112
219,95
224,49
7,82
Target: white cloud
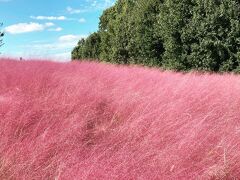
62,43
56,29
71,38
60,18
60,57
82,20
91,5
70,10
103,4
60,50
94,3
27,27
49,24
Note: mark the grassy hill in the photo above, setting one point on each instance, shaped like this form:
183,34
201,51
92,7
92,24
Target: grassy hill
84,120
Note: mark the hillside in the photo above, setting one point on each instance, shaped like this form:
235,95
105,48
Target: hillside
84,120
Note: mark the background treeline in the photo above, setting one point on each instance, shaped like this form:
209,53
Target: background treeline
173,34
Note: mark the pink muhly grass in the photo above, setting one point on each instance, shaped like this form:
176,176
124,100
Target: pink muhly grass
96,121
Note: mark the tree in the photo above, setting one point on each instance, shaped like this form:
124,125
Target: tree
114,32
145,46
173,34
106,30
91,48
200,34
77,52
88,48
173,17
127,33
212,38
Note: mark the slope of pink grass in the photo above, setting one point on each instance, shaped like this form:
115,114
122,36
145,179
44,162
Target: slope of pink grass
96,121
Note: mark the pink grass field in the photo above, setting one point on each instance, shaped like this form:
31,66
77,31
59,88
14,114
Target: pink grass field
97,121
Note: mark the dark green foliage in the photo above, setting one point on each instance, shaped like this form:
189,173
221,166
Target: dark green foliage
106,28
174,34
146,47
200,34
87,49
77,52
216,32
92,46
173,16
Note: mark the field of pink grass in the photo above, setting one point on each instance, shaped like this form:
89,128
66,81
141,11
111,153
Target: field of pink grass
85,120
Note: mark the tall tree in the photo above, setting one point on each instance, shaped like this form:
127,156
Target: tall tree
107,33
173,17
114,29
200,34
211,40
145,46
173,34
92,46
77,52
88,48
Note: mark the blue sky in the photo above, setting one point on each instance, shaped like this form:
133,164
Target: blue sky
47,28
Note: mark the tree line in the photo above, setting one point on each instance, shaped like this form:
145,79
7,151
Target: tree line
173,34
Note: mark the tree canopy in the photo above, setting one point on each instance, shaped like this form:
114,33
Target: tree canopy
173,34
